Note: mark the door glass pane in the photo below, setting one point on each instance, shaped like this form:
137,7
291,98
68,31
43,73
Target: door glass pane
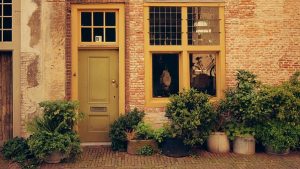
110,19
7,35
203,72
98,18
7,1
86,19
86,34
165,74
98,35
110,34
7,11
7,23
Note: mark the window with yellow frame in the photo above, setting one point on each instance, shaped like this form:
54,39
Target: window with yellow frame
184,48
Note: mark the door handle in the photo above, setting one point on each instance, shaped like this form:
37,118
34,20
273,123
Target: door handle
114,83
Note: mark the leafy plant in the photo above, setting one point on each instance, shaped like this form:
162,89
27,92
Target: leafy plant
162,134
191,116
144,131
233,130
146,151
17,150
123,124
279,135
240,104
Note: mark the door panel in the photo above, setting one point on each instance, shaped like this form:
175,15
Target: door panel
6,96
98,93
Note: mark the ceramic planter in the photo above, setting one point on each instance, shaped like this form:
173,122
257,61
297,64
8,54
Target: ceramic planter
244,145
54,158
269,150
218,142
134,146
174,147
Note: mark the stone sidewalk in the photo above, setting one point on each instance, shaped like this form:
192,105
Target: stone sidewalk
101,157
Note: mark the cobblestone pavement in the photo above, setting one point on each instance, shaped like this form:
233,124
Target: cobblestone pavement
101,157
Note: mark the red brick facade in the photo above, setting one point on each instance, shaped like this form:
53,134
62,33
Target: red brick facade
261,36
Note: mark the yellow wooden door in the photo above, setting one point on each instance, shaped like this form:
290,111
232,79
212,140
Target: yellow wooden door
98,93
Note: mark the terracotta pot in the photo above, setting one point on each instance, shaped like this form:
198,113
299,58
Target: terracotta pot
174,147
269,150
54,158
218,143
244,145
134,146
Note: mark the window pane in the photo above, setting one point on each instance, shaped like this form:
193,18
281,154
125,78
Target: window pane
86,19
110,19
165,74
98,35
203,72
165,25
86,34
110,34
0,35
98,18
7,36
203,26
7,1
7,10
0,23
0,10
7,23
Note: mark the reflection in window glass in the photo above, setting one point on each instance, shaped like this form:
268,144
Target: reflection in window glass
165,74
203,26
110,19
203,72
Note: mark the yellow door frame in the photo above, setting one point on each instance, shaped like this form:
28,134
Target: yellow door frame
120,45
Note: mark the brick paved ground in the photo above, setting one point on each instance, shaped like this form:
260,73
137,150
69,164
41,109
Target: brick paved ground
103,158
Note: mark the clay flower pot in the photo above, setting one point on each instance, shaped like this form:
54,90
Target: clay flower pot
244,145
269,150
54,158
134,146
218,142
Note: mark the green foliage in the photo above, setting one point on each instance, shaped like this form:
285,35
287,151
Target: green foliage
279,135
124,123
53,131
234,129
240,104
144,131
146,151
162,134
17,150
191,116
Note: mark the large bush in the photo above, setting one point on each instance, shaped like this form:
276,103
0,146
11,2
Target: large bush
123,124
191,116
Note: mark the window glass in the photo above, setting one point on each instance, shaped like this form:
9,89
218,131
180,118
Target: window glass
165,25
203,26
110,35
110,19
7,35
86,34
86,19
203,72
165,74
98,18
5,21
98,35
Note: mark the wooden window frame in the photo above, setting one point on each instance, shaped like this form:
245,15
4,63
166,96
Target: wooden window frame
184,49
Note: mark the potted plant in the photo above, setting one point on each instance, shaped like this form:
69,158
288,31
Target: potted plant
279,129
191,119
141,140
218,141
53,138
123,124
241,104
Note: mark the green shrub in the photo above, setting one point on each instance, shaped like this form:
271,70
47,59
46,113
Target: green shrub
146,151
144,131
17,150
124,123
161,134
279,135
240,103
191,116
